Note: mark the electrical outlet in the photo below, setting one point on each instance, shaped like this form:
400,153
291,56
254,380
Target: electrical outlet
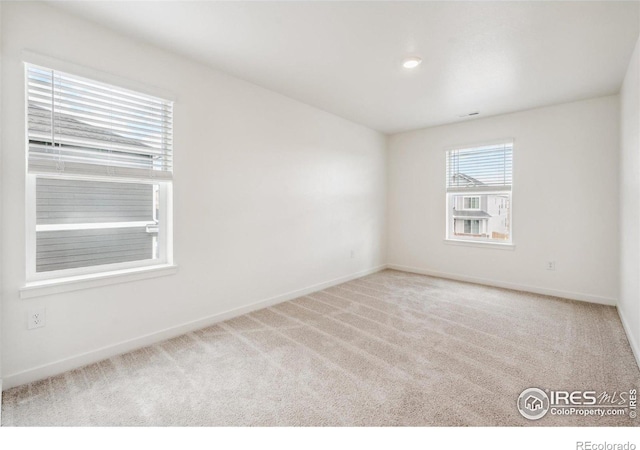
551,265
36,318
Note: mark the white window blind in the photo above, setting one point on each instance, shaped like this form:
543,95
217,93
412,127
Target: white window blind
480,168
83,127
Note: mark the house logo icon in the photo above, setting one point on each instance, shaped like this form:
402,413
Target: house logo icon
533,403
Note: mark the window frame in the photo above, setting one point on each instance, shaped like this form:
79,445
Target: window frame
450,237
37,280
164,231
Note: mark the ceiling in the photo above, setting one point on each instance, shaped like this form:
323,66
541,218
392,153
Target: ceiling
345,57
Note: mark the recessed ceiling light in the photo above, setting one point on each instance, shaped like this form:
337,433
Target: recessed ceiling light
411,62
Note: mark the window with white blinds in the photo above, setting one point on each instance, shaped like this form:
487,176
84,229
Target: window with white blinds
79,126
480,168
100,165
479,184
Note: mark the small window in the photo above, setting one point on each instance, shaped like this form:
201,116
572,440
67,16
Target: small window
471,202
479,182
99,176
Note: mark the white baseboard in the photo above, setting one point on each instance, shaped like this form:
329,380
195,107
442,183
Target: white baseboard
73,362
630,337
502,284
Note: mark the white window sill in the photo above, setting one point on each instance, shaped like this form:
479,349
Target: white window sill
479,244
60,285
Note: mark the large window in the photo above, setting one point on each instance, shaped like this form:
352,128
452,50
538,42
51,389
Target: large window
479,181
99,176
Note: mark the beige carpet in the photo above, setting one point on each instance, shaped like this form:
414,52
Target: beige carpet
388,349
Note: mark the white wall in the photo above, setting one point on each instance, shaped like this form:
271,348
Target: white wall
271,196
565,201
629,305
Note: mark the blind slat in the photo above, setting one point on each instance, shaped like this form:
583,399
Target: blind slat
480,169
68,106
43,124
105,159
82,127
43,78
64,91
39,73
42,112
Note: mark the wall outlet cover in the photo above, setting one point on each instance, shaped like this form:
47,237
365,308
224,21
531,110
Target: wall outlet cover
36,318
